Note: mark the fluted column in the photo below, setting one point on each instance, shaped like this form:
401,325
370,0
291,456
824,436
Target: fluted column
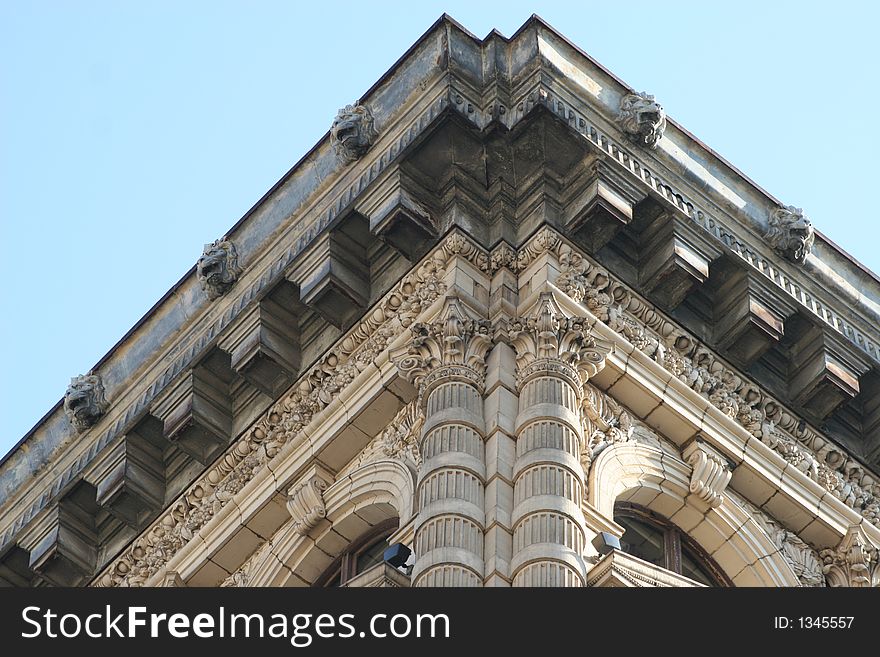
446,361
555,357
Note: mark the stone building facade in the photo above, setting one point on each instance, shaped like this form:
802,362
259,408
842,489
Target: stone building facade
506,314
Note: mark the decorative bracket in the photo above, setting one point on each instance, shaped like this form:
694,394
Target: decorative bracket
711,472
305,499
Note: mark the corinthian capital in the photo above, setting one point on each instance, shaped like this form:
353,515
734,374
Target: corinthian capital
455,345
854,562
548,335
305,499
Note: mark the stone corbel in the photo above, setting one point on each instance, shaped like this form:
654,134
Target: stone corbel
197,412
711,472
130,479
305,499
62,544
602,205
749,316
673,257
853,562
264,346
824,372
334,278
399,215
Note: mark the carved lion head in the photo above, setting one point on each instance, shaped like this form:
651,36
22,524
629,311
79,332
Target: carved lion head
218,268
791,233
352,132
642,118
84,401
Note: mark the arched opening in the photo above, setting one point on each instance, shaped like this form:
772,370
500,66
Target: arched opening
655,539
363,554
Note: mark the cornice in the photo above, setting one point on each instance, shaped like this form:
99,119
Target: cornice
614,303
435,77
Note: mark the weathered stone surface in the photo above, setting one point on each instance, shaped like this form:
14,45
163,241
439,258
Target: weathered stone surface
218,268
84,401
473,326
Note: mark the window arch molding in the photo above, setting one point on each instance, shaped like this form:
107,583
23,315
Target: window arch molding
677,547
658,480
364,498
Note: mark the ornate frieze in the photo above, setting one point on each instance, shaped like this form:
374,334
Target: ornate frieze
854,562
84,401
353,132
305,499
642,118
701,370
803,559
711,472
217,268
790,233
284,421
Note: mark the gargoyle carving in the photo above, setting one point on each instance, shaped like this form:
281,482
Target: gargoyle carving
791,233
352,132
84,401
642,118
218,268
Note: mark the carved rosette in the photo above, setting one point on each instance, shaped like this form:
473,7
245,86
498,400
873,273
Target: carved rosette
642,118
353,132
791,233
854,563
446,360
710,474
305,499
84,401
555,357
217,268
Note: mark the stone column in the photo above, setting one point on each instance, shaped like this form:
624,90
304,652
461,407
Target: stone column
555,357
446,361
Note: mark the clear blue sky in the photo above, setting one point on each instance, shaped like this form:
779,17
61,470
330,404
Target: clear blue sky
132,133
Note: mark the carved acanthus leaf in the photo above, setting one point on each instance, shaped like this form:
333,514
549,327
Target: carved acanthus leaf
800,556
455,342
605,423
854,562
548,335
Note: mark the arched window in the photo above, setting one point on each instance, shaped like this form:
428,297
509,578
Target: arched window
362,554
655,539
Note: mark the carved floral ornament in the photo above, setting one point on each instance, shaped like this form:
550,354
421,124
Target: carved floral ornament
700,369
791,233
461,343
548,338
217,268
854,562
84,401
455,346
